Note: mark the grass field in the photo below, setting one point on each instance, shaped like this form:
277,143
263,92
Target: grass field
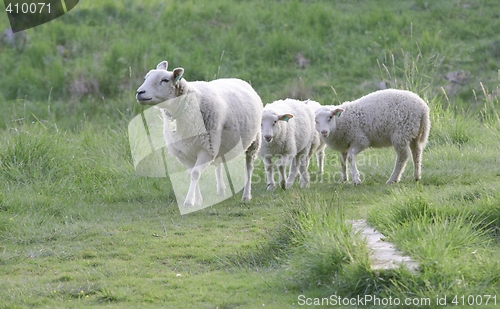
79,229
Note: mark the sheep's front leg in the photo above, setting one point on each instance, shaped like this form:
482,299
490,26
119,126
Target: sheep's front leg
281,163
268,163
294,169
304,174
194,196
320,158
351,157
343,164
219,178
198,197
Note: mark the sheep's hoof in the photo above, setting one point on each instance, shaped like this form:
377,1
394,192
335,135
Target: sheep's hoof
246,199
188,204
270,187
390,182
284,186
357,183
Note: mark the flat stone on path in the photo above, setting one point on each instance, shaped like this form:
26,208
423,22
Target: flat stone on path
383,254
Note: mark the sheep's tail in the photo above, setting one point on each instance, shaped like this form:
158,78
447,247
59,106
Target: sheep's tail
425,127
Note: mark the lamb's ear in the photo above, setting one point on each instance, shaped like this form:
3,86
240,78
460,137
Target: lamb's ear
162,65
337,112
285,117
178,72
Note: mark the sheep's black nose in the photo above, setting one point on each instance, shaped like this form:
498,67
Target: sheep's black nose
141,91
268,138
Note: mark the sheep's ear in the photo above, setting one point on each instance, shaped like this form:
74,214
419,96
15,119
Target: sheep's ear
285,117
337,112
178,72
162,65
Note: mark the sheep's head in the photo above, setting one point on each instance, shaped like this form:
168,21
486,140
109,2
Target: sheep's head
325,120
159,85
272,123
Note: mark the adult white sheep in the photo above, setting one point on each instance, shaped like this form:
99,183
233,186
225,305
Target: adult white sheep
318,144
380,119
287,133
211,118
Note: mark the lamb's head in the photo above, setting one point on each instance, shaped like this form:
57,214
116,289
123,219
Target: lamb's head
159,85
273,124
326,122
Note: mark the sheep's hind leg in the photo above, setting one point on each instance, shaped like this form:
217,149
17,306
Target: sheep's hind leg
219,177
194,196
250,155
416,150
403,152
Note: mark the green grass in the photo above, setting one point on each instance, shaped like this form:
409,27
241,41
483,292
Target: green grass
79,229
346,42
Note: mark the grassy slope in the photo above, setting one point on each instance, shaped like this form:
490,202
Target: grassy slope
79,229
255,41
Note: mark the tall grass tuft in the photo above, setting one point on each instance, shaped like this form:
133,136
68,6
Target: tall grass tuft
443,239
325,254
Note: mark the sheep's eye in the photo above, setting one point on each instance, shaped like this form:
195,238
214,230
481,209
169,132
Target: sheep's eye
274,122
164,81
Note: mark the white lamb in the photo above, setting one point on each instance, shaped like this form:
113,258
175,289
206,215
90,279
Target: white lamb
287,133
380,119
318,144
212,118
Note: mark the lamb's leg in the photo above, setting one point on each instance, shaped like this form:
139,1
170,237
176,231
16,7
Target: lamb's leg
294,168
202,161
250,155
351,157
281,164
268,164
343,164
320,158
416,150
219,177
402,152
198,197
297,175
304,174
